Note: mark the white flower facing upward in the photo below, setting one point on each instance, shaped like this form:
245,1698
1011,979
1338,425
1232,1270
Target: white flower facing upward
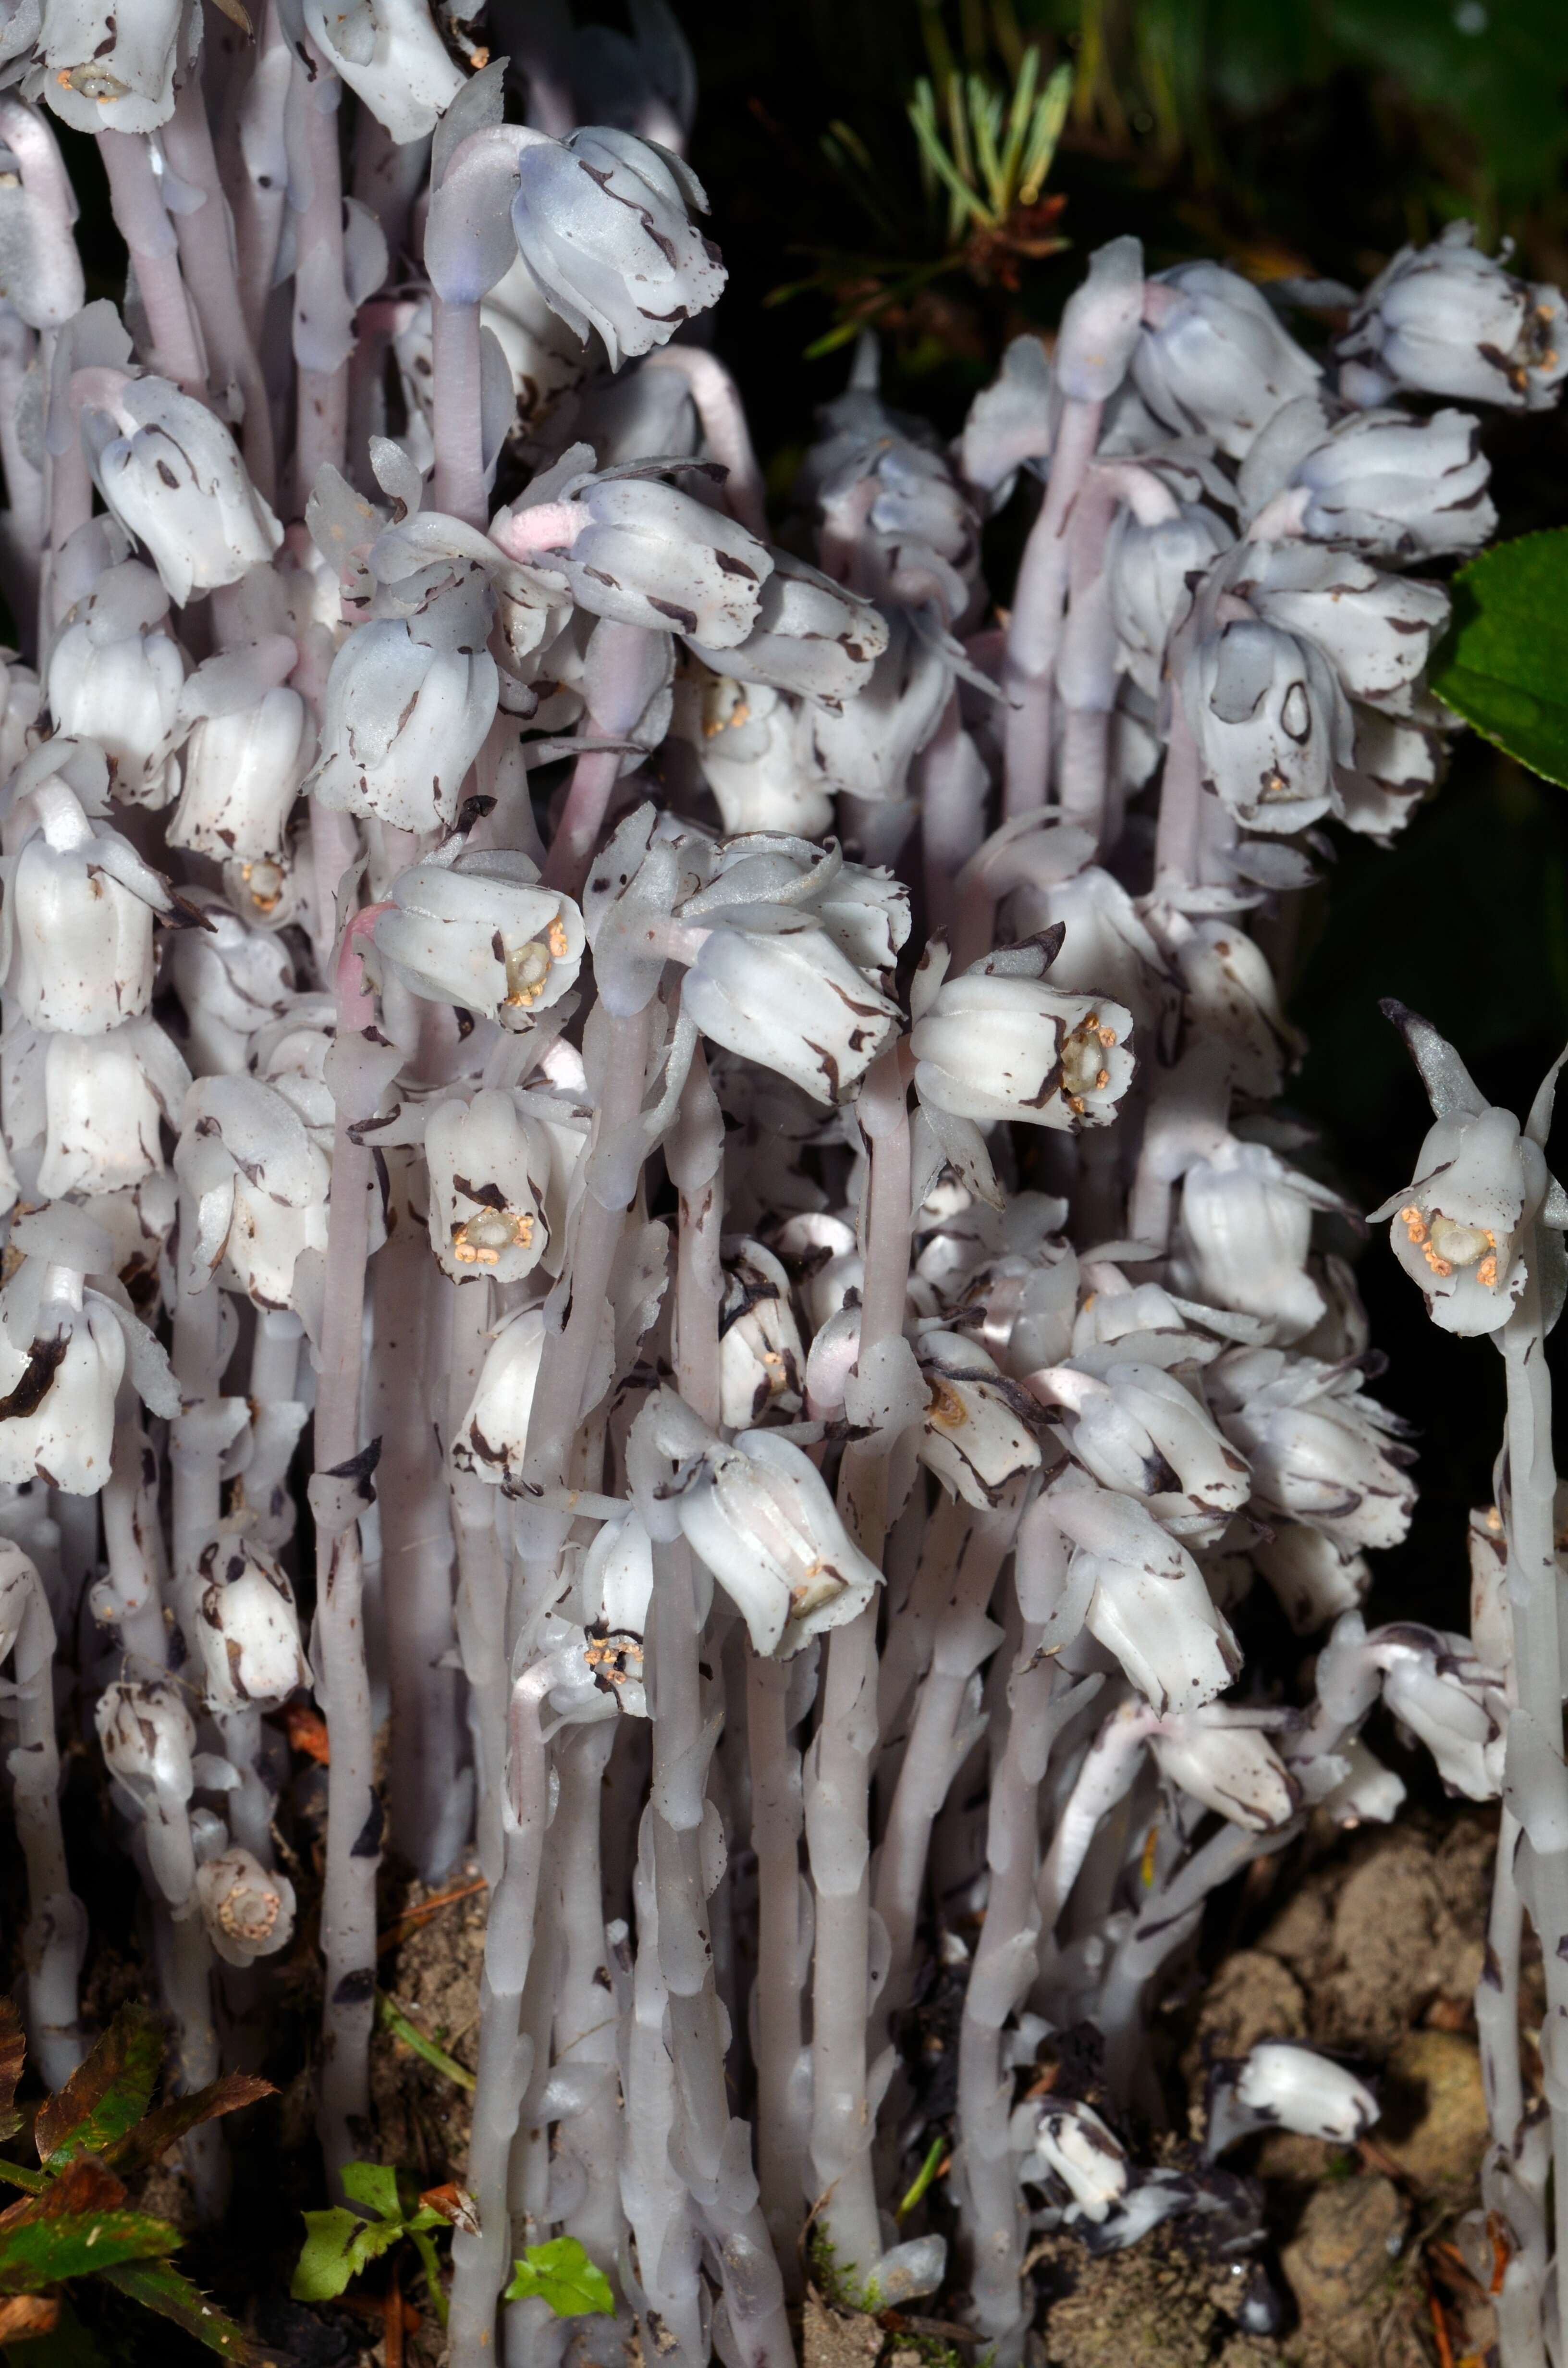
1464,1229
480,932
248,1909
489,1167
603,221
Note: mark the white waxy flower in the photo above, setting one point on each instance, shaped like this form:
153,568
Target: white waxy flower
1069,2141
1447,320
811,637
405,716
41,269
1434,1686
116,678
1010,1046
1144,1599
489,1169
616,1589
481,933
1105,948
1151,567
1213,358
975,1434
1463,1229
393,57
760,1516
1281,2085
1271,721
247,1908
1230,993
1392,486
62,1354
1245,1234
81,903
1101,324
105,1099
243,770
174,478
769,984
231,980
259,1185
1321,1452
113,68
869,744
1231,1766
603,221
1008,423
761,1360
148,1736
1315,1578
1375,629
492,1436
752,750
1139,1429
645,553
248,1627
1394,767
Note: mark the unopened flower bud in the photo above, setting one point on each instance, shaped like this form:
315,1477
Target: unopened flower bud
975,1436
242,774
1100,323
81,903
603,220
811,636
1320,1451
480,932
1139,1429
249,1628
1283,2086
761,1360
114,677
646,553
769,984
404,718
148,1737
1214,360
248,1909
1232,1768
1145,1600
493,1434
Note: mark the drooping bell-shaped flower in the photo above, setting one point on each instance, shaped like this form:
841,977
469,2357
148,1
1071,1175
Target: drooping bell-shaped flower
603,221
259,1186
1434,1686
1320,1451
1446,319
753,752
1228,1764
1072,2144
247,1908
1386,483
492,1437
761,1360
616,1589
760,1516
811,636
1214,358
1144,1597
393,57
1375,629
243,770
1271,721
644,552
148,1737
115,678
248,1627
1151,567
1245,1233
976,1435
409,700
489,1167
81,904
174,478
480,931
232,981
106,1100
1315,1578
1139,1429
769,984
61,1358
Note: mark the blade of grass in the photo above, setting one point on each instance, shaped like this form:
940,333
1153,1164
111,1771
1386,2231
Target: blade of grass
398,2023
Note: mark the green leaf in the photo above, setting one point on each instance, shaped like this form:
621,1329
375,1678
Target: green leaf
400,2026
1504,665
105,2096
75,2244
374,2184
338,2246
431,2260
160,2287
16,2174
561,2274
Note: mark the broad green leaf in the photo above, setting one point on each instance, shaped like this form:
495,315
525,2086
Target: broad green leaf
75,2244
160,2287
105,2096
1504,665
561,2274
374,2184
12,2050
338,2246
157,2131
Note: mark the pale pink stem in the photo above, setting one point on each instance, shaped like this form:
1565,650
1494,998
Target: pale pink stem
143,222
207,257
724,430
1035,633
455,396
